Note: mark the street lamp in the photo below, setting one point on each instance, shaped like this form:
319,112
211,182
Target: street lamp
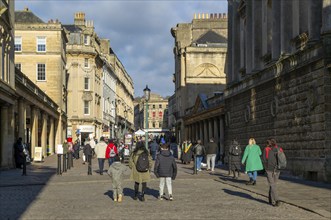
147,93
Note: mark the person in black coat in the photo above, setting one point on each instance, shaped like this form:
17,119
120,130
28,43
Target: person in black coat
165,168
88,154
235,158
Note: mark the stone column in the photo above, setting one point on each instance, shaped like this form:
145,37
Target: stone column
201,131
249,30
257,35
34,129
286,27
44,134
230,44
59,131
326,17
303,15
216,132
275,30
221,134
296,18
182,68
210,129
205,132
51,136
7,158
315,20
22,119
235,41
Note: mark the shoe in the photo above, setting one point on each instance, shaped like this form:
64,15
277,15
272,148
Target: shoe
120,197
101,173
254,183
143,198
249,182
208,169
277,204
171,198
115,200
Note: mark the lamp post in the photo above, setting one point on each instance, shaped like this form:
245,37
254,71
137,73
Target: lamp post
147,93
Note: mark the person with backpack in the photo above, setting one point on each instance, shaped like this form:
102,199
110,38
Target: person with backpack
235,159
198,151
165,168
140,163
252,160
211,154
271,166
111,152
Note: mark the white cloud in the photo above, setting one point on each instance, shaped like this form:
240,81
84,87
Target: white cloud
139,31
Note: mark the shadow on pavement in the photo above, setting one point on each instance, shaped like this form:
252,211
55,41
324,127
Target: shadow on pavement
243,195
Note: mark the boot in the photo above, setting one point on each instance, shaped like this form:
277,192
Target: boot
143,196
238,173
250,182
234,175
136,188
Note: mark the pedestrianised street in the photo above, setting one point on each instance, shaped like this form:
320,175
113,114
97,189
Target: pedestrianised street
74,195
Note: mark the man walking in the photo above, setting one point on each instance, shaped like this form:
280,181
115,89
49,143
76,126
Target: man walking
199,151
100,151
211,154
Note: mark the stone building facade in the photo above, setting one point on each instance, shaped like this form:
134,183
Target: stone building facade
200,55
40,53
157,114
280,86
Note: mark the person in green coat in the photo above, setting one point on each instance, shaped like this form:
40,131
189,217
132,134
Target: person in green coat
136,176
253,160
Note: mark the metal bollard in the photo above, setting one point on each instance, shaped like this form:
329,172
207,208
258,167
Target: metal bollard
68,161
59,172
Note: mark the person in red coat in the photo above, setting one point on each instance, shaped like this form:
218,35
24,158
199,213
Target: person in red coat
111,152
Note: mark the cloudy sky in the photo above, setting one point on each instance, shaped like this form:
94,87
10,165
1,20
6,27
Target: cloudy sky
139,31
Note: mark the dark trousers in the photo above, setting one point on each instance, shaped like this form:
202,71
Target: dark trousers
272,177
101,162
77,154
89,167
24,167
143,187
64,163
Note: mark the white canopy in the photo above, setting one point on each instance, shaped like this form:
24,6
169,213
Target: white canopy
139,132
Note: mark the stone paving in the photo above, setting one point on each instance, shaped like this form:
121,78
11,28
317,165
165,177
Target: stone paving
74,195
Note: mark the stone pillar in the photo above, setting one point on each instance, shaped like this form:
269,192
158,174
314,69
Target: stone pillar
7,155
197,131
22,120
34,129
286,27
275,52
242,43
230,45
315,20
303,15
295,18
257,35
249,33
210,129
326,17
205,132
59,131
216,132
201,131
44,134
182,68
51,136
235,41
221,134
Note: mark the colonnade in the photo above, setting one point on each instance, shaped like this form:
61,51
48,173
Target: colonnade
204,129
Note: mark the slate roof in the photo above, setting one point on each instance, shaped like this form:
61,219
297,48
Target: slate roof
211,37
72,28
27,17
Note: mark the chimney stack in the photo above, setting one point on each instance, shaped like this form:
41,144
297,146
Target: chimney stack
79,18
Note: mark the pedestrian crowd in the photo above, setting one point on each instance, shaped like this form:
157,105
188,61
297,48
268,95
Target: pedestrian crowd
160,157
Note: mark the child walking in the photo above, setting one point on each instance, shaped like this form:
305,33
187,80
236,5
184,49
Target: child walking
165,168
116,171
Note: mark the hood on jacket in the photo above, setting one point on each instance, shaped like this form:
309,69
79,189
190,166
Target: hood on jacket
165,153
117,165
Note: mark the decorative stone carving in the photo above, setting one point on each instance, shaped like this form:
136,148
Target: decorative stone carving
87,96
247,113
207,70
274,106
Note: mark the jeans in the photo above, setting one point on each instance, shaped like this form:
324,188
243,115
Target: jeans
211,157
252,175
166,180
272,178
111,160
198,162
101,162
153,152
89,167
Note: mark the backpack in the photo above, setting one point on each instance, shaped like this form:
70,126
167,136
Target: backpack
142,164
236,150
281,159
112,152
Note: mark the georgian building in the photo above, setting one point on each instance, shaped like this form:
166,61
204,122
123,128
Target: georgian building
200,52
85,82
40,54
157,114
278,80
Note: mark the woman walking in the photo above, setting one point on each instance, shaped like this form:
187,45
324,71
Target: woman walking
253,161
137,161
235,159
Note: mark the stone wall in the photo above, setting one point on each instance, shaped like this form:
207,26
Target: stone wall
293,107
